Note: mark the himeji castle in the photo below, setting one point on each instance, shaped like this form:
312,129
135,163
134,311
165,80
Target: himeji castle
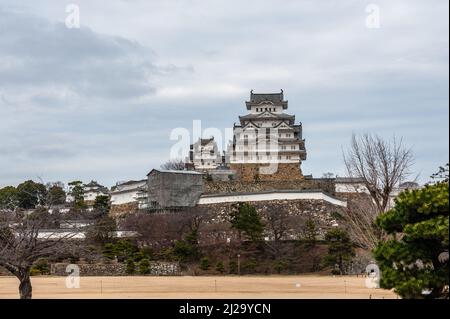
267,136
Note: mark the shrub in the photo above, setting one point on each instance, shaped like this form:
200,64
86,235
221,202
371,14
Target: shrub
40,267
280,265
130,266
204,263
187,249
249,266
144,267
233,267
220,267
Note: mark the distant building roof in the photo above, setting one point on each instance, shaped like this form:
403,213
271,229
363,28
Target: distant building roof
206,141
129,185
94,185
259,117
275,98
262,97
409,185
174,172
349,180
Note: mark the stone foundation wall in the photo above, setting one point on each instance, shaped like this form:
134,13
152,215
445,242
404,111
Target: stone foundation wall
116,269
251,172
296,213
226,187
123,209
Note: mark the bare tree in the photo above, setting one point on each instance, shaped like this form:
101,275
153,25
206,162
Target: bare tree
174,164
360,216
277,222
380,164
23,241
161,230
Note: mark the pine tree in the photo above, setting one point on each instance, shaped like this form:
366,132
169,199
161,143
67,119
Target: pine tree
415,261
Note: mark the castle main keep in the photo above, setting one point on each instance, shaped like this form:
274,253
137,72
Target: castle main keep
267,143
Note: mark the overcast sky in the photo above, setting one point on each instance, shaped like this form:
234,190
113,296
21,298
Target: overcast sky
99,102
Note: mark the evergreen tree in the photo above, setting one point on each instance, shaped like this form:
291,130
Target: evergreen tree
245,219
204,263
77,194
340,249
144,267
31,194
130,266
415,260
102,204
220,267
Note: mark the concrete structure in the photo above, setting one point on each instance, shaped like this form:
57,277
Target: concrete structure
173,189
267,137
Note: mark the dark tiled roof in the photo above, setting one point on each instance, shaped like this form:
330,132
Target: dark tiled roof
174,172
259,117
262,97
274,98
349,180
206,141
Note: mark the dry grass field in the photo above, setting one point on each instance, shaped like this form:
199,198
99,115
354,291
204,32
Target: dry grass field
186,287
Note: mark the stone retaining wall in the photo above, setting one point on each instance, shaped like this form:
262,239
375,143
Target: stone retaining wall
251,172
297,212
116,269
226,187
123,209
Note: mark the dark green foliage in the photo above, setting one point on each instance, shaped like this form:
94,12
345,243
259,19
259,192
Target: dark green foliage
204,263
340,249
144,267
123,250
220,267
102,204
77,193
249,266
56,194
131,267
8,198
233,267
108,251
414,262
245,219
187,249
310,232
31,194
40,267
280,266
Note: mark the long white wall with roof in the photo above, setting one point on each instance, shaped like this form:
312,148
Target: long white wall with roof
266,196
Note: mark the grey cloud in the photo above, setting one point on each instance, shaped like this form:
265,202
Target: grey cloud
40,53
112,102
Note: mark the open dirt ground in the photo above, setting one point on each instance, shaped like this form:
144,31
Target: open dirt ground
186,287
